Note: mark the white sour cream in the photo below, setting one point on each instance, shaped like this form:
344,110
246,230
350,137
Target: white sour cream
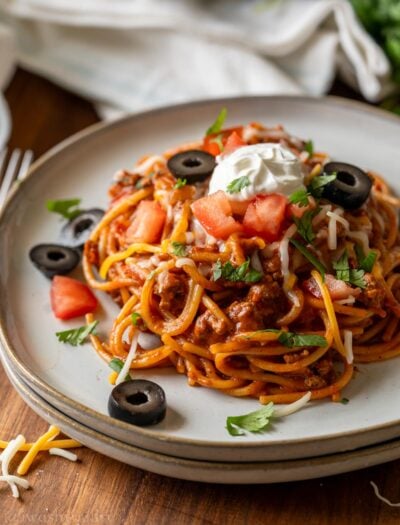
270,168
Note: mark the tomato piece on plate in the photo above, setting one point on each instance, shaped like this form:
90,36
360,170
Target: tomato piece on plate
234,141
211,143
265,215
214,213
71,298
147,224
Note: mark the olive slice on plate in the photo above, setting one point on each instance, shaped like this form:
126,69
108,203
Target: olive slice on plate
351,187
138,401
193,165
77,231
53,259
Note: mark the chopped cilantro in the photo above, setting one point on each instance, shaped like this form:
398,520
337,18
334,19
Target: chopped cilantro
299,197
178,249
309,256
304,225
293,339
180,183
135,318
237,185
344,401
240,273
67,208
348,275
309,147
216,126
77,336
116,365
252,422
317,184
367,262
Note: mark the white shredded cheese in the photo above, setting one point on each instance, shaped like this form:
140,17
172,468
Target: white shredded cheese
322,214
348,345
189,237
304,155
292,407
349,300
255,262
249,132
385,500
63,453
362,237
284,250
144,167
8,453
130,357
184,261
334,218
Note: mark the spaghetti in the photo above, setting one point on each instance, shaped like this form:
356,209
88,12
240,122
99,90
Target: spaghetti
225,309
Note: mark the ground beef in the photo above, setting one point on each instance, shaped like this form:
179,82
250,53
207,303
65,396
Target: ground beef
314,382
272,266
209,328
373,296
92,253
171,289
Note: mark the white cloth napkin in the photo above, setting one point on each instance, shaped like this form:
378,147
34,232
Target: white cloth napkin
134,54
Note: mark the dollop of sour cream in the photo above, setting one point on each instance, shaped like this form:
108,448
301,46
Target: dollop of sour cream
269,168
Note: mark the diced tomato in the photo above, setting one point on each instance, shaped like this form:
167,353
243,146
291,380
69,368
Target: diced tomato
338,290
239,207
234,141
71,298
147,224
211,142
214,213
294,210
265,215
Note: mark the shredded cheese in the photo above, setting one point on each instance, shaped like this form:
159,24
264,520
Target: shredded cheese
330,312
35,449
184,261
59,443
348,344
362,237
284,256
146,165
63,453
282,411
130,357
5,458
385,500
334,218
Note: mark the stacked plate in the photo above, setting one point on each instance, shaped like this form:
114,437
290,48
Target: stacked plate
68,386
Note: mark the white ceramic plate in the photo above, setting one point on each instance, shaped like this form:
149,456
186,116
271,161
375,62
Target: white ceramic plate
210,472
5,124
75,380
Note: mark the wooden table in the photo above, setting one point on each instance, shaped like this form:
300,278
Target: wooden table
99,490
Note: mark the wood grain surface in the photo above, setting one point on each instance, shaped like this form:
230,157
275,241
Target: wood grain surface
98,490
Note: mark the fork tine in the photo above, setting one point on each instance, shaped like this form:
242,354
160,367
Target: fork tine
10,175
25,163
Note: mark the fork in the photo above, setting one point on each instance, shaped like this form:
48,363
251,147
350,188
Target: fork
14,170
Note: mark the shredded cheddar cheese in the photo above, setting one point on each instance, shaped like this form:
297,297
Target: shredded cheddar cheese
35,449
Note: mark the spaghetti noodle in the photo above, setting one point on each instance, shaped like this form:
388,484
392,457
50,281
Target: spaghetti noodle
232,334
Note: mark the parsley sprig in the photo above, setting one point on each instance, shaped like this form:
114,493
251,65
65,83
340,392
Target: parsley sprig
309,256
299,197
216,126
252,422
239,273
237,185
365,262
68,208
178,248
116,365
77,336
309,147
316,186
294,339
180,183
344,272
304,225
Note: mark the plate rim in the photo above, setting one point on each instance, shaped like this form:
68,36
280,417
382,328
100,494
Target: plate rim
98,128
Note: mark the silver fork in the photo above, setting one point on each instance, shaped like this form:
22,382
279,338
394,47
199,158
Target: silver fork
14,170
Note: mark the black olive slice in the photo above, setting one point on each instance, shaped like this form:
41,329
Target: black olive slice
350,189
53,259
193,165
139,402
77,231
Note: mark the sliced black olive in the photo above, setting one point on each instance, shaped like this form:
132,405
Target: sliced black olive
138,401
53,259
193,165
351,187
77,231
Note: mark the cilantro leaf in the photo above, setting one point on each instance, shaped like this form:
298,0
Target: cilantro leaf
344,401
216,126
116,365
178,249
317,184
180,183
349,275
240,273
67,208
309,147
135,318
77,336
304,225
367,263
293,339
252,422
237,185
309,256
299,197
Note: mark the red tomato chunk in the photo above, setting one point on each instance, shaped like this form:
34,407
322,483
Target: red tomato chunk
71,298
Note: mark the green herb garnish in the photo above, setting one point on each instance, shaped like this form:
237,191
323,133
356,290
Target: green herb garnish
293,339
317,184
367,262
180,183
218,123
309,256
178,249
304,225
345,401
218,141
299,197
117,365
252,422
135,318
77,336
237,185
349,275
309,147
240,273
67,208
